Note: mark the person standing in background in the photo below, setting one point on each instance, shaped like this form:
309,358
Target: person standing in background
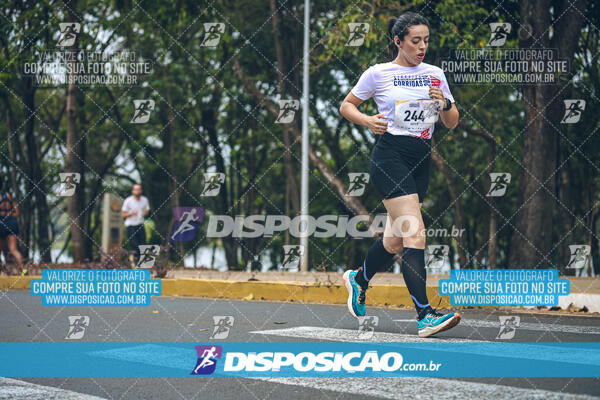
9,227
135,208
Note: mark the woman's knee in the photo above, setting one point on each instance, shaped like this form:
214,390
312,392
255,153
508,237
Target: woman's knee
415,242
392,244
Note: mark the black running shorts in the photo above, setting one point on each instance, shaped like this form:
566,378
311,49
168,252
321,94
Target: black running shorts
8,226
400,165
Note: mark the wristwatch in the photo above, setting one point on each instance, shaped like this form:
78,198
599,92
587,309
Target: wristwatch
448,105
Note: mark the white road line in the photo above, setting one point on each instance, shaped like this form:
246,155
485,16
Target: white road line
591,301
349,335
588,330
529,351
20,390
423,388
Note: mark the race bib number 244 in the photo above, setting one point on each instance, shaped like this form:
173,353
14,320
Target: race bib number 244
416,115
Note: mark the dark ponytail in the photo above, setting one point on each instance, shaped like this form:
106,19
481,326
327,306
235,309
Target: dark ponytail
399,27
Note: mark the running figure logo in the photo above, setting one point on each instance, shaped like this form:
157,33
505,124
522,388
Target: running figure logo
358,33
207,359
212,183
186,223
436,256
366,326
358,183
291,257
287,111
77,325
212,33
68,183
432,110
573,111
508,327
579,256
223,324
148,254
68,33
142,108
500,31
499,183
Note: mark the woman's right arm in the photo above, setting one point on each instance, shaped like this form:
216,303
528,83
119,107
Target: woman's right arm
349,109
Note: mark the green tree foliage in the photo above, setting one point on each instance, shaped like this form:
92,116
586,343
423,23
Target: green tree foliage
207,120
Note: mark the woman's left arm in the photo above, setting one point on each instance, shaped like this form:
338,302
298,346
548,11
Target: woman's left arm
450,117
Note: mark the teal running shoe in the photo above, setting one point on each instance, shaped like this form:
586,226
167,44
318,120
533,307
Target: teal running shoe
434,322
356,295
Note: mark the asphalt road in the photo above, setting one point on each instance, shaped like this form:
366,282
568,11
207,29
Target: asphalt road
170,319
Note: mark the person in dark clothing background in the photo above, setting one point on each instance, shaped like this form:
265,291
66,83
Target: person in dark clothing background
9,227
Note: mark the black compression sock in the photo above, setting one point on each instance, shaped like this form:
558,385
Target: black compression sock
377,259
413,271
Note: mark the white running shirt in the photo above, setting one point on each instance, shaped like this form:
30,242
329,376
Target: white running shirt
131,204
402,94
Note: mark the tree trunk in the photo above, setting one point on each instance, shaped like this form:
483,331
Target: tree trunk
493,216
173,184
493,219
290,181
250,244
458,211
37,187
531,240
565,221
209,120
74,159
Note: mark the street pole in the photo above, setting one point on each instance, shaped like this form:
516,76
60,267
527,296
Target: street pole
304,173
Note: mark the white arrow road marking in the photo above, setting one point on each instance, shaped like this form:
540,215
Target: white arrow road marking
588,330
529,351
350,335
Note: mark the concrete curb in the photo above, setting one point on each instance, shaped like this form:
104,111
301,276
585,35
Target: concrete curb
302,292
16,282
379,295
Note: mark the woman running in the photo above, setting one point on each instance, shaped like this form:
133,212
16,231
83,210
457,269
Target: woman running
410,95
9,227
